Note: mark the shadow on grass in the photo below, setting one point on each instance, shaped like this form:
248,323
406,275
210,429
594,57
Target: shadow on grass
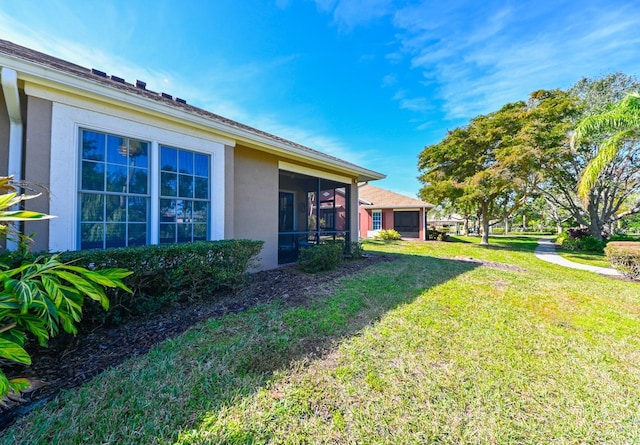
182,387
315,328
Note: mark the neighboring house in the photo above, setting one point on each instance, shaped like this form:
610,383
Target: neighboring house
453,221
127,166
383,209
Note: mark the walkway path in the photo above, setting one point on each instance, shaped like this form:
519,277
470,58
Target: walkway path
546,251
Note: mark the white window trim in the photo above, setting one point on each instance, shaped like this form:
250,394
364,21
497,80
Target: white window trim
376,212
64,172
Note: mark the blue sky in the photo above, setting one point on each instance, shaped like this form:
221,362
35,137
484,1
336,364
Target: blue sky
369,81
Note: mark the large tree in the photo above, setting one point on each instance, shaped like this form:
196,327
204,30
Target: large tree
564,163
482,165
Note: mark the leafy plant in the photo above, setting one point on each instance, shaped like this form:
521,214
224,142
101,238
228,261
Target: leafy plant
40,295
321,257
389,235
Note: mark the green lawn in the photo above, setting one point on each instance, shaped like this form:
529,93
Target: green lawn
589,258
426,349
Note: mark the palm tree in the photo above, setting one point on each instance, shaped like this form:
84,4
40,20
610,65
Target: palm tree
622,123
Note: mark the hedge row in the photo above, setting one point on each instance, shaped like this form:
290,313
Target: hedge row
625,257
168,272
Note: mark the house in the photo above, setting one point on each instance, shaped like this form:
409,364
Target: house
127,166
382,209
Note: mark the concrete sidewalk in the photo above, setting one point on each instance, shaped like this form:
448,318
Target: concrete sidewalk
546,251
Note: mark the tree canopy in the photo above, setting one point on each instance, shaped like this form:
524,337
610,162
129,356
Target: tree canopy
498,161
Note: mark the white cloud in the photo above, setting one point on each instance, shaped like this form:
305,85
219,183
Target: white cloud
481,59
347,14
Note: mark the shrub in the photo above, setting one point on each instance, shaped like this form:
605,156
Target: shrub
625,257
321,257
169,272
389,235
40,296
437,235
356,250
591,244
580,239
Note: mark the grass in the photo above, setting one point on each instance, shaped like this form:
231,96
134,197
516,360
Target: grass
589,258
426,349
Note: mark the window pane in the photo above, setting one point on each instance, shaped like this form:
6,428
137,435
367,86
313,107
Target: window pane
91,236
167,210
115,235
139,181
200,211
116,178
91,207
137,234
138,153
201,188
92,176
117,150
137,209
184,233
199,232
168,159
167,233
168,184
186,208
116,208
185,186
201,165
185,162
92,145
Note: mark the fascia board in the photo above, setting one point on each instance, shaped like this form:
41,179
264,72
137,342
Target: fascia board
38,74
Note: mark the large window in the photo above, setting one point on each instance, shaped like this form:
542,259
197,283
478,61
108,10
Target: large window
114,191
116,199
376,217
184,195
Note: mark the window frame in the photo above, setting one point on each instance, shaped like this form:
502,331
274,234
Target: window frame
153,195
376,219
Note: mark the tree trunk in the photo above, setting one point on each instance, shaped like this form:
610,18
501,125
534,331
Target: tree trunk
485,224
595,226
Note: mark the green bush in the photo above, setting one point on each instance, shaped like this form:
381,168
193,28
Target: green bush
321,257
591,244
437,235
625,257
389,235
168,272
39,296
578,241
356,250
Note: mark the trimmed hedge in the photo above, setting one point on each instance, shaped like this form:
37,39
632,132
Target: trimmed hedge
168,272
625,257
326,256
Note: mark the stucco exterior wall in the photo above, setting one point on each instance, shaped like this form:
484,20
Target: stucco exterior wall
37,166
256,201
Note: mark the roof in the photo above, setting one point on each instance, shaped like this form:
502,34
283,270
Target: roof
37,60
378,198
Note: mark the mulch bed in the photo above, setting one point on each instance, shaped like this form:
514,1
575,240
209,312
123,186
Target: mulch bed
70,360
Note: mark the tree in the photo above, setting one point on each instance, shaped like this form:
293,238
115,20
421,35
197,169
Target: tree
482,165
621,124
563,163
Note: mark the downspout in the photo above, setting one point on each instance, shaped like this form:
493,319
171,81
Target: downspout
9,80
12,98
